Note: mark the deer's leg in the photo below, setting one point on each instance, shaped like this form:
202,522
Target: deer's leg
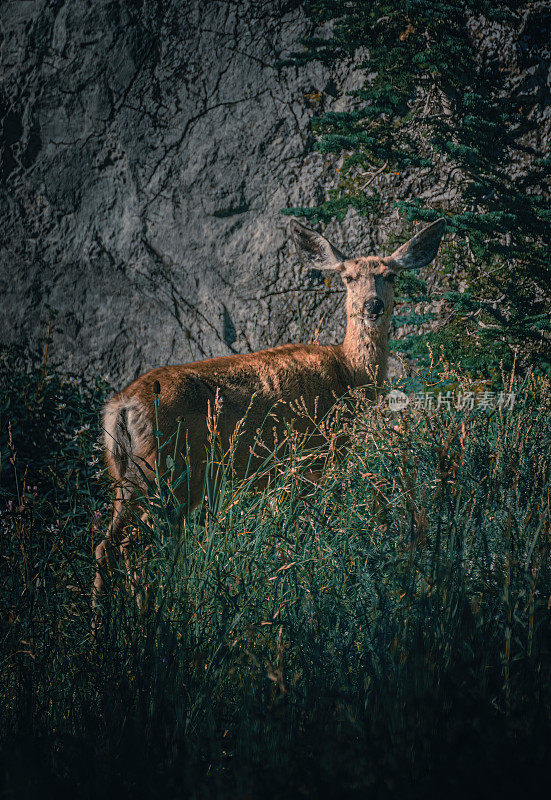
107,550
137,572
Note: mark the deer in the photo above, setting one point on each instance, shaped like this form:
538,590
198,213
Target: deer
252,388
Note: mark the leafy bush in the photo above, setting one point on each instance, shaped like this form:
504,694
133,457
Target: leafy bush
385,630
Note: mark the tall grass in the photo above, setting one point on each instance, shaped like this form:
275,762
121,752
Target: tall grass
382,631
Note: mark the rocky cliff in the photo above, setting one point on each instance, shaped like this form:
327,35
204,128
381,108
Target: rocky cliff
147,150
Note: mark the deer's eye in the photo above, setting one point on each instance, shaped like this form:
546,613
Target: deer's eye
348,278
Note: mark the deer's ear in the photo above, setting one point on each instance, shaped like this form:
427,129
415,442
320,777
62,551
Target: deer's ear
316,251
420,250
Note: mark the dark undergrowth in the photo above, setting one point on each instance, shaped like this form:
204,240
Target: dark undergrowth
382,633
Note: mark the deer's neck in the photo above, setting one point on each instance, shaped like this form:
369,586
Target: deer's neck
366,350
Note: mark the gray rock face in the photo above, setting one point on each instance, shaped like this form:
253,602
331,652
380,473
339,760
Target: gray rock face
148,150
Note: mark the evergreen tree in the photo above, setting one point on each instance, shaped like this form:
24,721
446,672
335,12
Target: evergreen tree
431,103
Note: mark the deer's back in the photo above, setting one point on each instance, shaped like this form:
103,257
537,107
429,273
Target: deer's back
281,373
268,388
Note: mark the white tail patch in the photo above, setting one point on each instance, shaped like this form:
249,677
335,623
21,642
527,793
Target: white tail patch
128,433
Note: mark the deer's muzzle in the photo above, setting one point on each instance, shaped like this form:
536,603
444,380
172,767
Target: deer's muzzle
373,308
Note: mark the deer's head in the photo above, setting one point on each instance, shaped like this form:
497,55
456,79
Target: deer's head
368,279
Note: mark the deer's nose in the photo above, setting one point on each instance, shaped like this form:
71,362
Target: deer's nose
374,307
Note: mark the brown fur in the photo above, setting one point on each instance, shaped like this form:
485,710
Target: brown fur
264,387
